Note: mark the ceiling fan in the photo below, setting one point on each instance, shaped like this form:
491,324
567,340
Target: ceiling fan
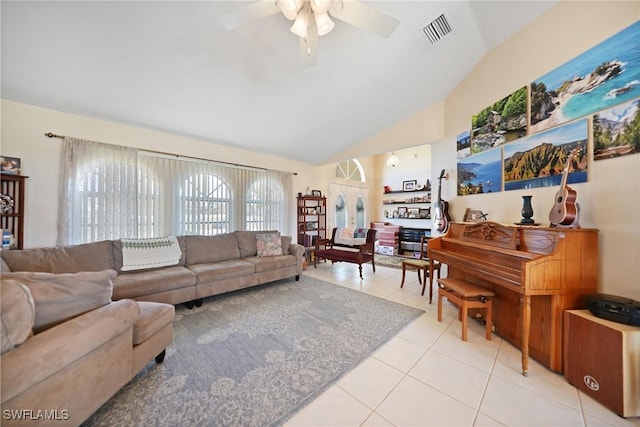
312,18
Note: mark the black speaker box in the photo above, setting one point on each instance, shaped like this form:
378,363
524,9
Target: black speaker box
616,308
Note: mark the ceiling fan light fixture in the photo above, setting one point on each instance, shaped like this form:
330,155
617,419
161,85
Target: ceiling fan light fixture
289,8
324,23
320,6
299,26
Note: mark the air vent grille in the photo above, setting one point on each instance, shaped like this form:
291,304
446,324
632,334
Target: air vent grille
437,29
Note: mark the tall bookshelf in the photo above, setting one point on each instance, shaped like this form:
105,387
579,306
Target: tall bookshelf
312,219
12,207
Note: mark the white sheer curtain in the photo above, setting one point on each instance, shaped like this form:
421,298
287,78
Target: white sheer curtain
98,188
111,192
188,196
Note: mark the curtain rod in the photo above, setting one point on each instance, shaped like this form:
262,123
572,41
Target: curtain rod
53,135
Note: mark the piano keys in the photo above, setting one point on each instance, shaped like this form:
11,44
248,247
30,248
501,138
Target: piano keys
536,273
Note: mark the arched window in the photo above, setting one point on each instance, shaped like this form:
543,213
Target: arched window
206,205
264,205
351,170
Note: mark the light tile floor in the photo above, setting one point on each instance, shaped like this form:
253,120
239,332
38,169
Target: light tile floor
427,376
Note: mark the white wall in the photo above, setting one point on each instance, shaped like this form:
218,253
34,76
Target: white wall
414,164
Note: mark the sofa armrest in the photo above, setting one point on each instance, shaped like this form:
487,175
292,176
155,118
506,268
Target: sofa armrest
47,352
296,250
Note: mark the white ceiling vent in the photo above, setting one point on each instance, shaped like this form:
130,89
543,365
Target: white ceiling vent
437,29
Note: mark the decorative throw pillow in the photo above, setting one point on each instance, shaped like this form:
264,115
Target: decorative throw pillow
269,244
18,314
59,297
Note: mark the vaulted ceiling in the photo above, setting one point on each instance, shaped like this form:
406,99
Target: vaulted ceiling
172,67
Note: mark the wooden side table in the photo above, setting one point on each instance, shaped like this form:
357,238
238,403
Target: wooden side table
602,359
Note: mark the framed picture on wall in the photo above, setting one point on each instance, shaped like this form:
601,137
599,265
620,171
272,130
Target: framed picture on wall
10,165
409,185
413,213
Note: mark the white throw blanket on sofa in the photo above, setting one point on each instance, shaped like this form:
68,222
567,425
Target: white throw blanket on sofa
347,236
155,252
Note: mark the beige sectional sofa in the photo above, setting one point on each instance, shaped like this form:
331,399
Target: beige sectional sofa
209,265
49,377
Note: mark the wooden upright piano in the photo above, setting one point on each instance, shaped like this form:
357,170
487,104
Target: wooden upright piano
536,273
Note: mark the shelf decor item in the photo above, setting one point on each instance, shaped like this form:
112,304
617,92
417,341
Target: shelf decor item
527,210
10,165
409,185
474,215
6,203
316,193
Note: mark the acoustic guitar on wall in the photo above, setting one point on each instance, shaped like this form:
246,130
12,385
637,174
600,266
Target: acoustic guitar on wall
564,210
441,209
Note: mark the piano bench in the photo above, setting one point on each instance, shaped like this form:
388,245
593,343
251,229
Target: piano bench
466,295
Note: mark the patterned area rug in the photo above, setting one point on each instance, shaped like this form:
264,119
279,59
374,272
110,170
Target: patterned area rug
256,356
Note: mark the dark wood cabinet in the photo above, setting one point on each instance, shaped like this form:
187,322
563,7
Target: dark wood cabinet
12,207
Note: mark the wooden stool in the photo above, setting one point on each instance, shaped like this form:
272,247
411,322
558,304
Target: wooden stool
421,265
466,295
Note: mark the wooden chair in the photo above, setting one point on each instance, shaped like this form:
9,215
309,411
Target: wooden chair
421,265
466,295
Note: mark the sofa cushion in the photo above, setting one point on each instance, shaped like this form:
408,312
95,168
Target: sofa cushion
71,346
96,256
59,297
211,272
153,317
247,241
268,245
18,313
140,283
204,249
264,264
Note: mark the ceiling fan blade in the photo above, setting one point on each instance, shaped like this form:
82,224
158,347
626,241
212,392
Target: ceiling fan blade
363,16
309,46
248,14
